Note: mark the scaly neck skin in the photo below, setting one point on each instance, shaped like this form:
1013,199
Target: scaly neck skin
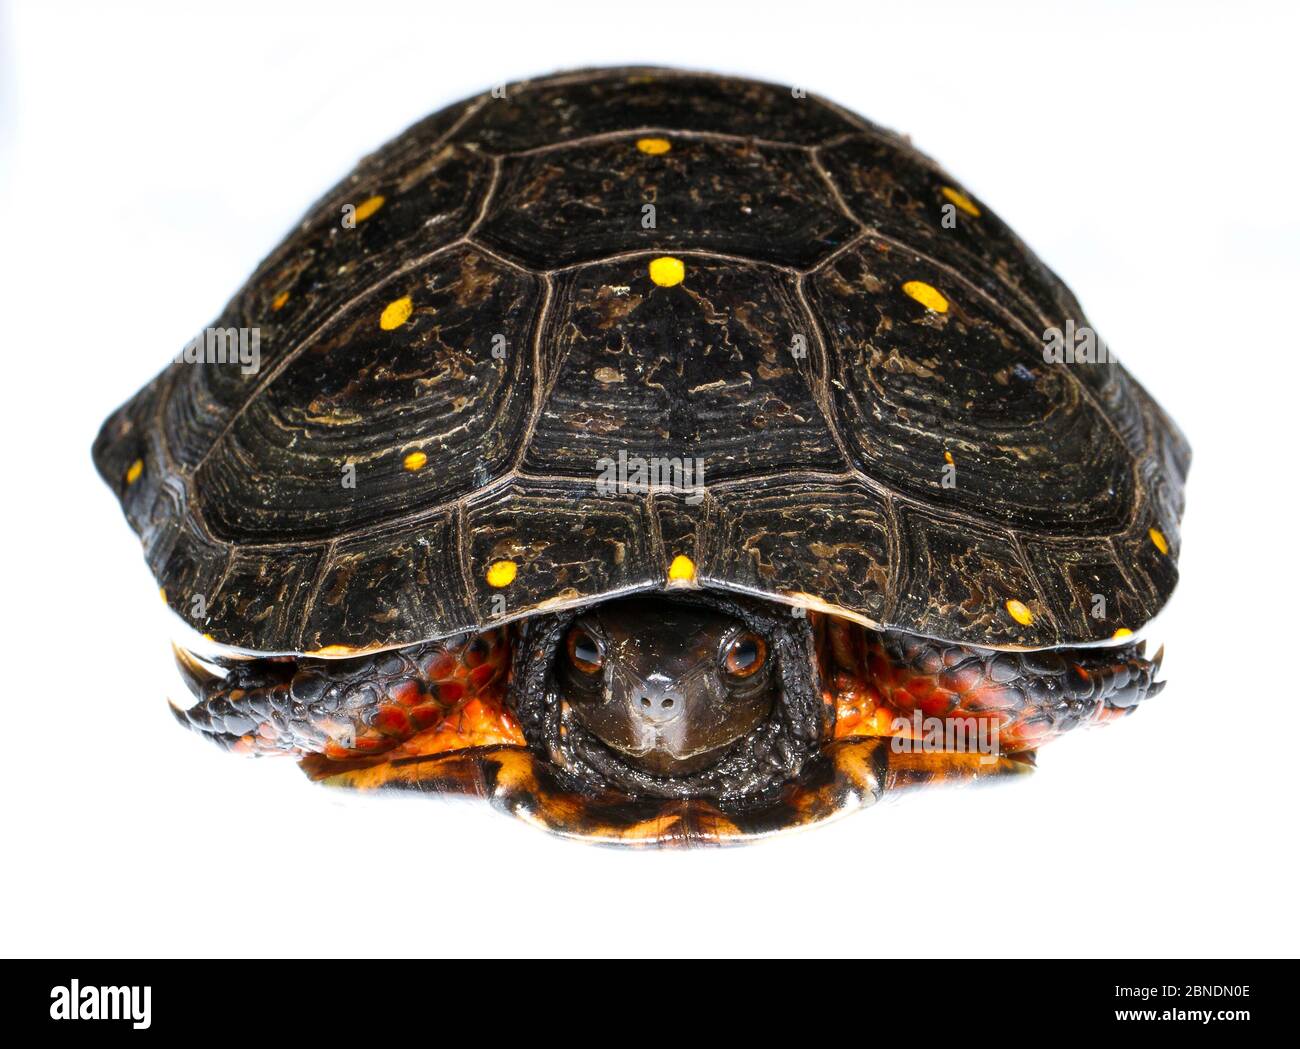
881,682
428,698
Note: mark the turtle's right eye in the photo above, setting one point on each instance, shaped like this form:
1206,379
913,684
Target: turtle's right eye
745,655
586,652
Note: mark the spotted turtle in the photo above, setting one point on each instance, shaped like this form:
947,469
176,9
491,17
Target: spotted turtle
668,458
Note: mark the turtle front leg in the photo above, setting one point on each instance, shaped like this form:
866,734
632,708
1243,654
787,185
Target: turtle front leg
353,708
885,683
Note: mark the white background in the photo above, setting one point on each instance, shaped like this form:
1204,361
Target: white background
149,156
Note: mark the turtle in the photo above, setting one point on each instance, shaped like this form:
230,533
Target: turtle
666,457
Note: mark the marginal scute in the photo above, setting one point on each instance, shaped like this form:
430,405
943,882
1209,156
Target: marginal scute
680,521
190,571
788,536
566,544
123,439
1143,556
955,584
164,520
264,597
1087,588
376,586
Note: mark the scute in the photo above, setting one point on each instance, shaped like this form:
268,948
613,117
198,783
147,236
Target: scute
1026,448
485,333
791,536
362,397
316,276
575,205
702,369
569,547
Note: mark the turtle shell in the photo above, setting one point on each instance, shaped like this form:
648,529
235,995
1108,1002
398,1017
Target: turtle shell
627,268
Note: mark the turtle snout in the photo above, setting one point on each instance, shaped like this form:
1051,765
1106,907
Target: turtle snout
657,705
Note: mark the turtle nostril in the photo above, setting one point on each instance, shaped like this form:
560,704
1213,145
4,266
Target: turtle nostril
658,708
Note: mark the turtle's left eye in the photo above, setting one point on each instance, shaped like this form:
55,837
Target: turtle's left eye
744,655
586,652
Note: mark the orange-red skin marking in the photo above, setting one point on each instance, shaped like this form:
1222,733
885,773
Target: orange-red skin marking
457,702
875,697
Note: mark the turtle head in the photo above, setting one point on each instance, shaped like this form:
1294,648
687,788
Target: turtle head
669,686
699,695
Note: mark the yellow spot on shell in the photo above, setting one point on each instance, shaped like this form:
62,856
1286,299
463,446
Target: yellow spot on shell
134,471
926,295
654,146
1019,611
1158,538
415,460
667,271
162,592
502,573
961,200
682,570
278,302
947,457
368,207
396,313
1121,632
